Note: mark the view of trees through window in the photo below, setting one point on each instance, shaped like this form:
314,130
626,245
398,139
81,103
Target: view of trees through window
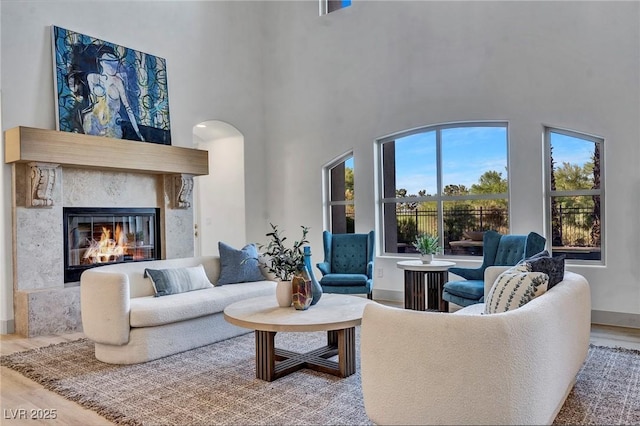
574,173
450,181
341,197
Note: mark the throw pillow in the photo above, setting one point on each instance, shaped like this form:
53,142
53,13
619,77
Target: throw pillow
543,253
239,266
177,280
552,266
514,288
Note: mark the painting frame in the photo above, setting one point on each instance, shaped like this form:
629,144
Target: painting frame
104,89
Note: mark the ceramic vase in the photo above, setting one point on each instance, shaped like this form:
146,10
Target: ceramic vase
426,258
284,294
316,288
301,289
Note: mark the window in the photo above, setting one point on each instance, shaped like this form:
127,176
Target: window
328,6
574,193
447,180
340,212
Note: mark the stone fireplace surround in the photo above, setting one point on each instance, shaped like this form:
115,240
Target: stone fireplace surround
43,303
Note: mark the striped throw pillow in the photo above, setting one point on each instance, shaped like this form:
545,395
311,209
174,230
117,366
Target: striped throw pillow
177,280
514,288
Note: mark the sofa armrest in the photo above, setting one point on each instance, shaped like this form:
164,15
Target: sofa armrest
490,276
105,306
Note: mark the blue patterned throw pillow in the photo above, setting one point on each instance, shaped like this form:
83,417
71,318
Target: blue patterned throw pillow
177,280
239,266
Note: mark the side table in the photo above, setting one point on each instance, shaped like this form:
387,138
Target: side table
423,282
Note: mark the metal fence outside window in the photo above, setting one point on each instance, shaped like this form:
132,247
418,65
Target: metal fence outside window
575,223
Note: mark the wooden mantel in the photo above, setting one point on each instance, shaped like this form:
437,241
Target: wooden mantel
26,144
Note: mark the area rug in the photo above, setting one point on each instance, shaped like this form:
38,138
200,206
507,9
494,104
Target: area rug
216,384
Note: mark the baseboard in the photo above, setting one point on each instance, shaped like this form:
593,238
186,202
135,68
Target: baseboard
7,326
617,319
388,295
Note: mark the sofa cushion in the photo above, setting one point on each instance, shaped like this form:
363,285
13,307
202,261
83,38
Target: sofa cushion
238,266
177,280
153,311
469,289
344,279
514,288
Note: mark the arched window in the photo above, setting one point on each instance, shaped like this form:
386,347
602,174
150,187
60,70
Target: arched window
448,180
328,6
339,195
574,173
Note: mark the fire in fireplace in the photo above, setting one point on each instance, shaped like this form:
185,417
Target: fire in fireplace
99,236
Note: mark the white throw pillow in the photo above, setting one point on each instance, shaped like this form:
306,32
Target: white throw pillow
514,288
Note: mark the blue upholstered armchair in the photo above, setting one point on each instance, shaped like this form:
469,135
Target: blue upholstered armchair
499,250
348,263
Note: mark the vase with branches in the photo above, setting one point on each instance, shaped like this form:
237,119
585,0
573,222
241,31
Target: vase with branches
287,264
283,261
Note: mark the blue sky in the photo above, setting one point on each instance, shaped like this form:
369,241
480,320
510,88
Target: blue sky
467,153
567,149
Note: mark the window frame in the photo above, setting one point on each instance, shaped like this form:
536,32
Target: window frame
549,194
440,199
328,6
327,193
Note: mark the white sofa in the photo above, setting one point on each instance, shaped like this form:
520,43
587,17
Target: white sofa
515,367
130,325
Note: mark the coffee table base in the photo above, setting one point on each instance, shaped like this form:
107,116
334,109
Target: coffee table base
273,363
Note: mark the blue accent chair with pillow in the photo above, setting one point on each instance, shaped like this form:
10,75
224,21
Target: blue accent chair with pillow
348,263
498,250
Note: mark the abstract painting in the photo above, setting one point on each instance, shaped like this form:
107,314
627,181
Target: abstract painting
104,89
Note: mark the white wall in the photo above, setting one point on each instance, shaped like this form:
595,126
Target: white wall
213,62
7,324
220,196
6,280
340,81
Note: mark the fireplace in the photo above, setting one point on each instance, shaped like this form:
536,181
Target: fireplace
100,236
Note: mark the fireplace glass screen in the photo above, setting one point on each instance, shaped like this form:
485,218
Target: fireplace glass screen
99,236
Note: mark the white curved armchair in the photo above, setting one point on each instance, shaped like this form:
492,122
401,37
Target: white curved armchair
515,367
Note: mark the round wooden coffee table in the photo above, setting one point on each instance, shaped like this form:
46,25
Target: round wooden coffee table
336,314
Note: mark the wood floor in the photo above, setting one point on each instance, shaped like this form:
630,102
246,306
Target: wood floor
21,399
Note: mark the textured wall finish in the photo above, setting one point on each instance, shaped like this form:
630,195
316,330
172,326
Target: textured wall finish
177,240
38,248
97,188
51,311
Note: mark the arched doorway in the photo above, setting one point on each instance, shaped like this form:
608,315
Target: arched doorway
219,197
